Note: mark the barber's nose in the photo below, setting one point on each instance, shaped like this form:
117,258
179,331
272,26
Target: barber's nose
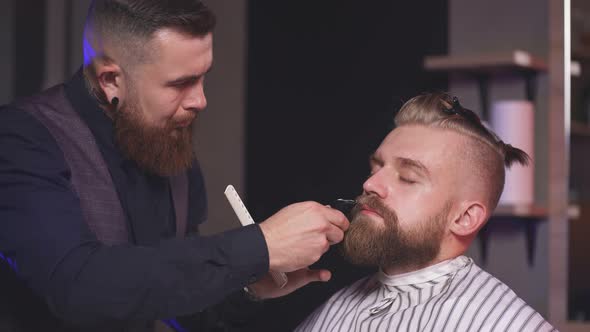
375,185
196,100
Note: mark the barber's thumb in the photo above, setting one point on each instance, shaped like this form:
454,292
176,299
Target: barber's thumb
319,275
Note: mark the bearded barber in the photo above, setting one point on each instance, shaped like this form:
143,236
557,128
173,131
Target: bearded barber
101,196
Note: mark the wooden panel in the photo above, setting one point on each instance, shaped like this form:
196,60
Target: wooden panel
558,168
522,210
576,327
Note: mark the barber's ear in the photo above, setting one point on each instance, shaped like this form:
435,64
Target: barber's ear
471,218
110,78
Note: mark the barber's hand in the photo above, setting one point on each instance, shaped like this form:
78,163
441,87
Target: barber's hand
267,288
299,234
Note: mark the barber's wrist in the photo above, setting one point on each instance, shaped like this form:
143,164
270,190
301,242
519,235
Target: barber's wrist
251,294
268,239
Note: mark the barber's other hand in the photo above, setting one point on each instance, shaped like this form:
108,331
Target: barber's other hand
299,234
267,288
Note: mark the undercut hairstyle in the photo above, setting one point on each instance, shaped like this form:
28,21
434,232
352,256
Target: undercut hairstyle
489,154
129,26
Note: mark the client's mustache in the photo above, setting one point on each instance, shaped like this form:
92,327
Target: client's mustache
373,203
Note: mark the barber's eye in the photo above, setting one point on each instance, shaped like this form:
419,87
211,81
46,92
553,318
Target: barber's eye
182,85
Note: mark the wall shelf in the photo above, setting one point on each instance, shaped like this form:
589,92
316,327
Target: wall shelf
482,66
516,60
521,211
531,211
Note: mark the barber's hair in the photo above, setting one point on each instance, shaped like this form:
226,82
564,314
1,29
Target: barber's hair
489,153
141,18
129,25
138,20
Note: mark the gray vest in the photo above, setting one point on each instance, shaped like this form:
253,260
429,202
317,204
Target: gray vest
90,177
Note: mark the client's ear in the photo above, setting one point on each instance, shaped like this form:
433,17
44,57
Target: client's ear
471,218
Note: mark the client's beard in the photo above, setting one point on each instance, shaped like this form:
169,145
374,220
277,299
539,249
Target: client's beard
155,150
367,243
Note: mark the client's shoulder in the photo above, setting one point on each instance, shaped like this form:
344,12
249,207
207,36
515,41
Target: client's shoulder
490,302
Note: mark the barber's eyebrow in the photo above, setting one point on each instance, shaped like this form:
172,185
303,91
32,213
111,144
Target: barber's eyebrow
182,80
415,165
187,78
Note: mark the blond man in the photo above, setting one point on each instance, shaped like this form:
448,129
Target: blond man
435,181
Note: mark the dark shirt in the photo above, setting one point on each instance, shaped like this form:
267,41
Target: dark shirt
156,276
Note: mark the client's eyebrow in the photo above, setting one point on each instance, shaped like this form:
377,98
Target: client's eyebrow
374,160
414,165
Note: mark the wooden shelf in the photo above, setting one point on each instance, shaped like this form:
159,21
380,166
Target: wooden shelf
516,60
579,129
577,326
531,211
521,211
483,66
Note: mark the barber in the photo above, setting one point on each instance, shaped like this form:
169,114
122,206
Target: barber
101,195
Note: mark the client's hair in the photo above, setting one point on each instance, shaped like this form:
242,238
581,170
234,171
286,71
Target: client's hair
487,151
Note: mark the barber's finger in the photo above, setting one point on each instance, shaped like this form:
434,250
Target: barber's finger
305,276
334,234
337,218
320,275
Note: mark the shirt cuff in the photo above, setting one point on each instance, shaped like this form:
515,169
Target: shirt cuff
249,254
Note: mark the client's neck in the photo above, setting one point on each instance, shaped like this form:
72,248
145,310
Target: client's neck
442,256
399,269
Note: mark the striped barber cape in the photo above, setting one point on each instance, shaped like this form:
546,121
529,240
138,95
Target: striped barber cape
454,295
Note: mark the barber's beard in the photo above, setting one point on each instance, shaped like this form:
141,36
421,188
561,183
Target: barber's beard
164,151
370,243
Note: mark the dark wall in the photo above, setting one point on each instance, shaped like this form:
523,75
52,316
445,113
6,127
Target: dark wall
579,228
324,81
29,48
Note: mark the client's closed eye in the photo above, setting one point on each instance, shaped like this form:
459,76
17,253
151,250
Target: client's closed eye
406,180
